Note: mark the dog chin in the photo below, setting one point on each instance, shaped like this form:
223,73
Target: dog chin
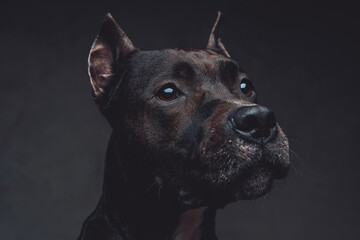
255,184
250,185
246,171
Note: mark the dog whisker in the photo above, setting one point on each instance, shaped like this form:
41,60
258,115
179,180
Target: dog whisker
296,141
148,188
293,167
296,156
159,193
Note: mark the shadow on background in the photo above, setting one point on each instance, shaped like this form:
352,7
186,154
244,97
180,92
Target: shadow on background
303,58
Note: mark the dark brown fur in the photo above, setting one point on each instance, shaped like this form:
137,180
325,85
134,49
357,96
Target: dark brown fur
168,158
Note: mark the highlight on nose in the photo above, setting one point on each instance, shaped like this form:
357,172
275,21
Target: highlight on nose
254,123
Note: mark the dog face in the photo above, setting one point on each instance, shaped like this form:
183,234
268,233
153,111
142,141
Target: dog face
193,113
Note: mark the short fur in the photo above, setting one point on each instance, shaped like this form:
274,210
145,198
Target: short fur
170,162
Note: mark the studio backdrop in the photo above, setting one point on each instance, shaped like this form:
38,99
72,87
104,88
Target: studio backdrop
303,57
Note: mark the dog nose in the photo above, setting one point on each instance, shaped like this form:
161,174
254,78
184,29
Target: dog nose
254,123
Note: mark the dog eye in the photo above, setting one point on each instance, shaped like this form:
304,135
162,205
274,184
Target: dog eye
168,93
246,87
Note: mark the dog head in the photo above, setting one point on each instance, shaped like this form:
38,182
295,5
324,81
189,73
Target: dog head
192,114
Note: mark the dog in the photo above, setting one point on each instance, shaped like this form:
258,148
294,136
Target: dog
188,138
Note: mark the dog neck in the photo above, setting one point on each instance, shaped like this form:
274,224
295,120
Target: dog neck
139,212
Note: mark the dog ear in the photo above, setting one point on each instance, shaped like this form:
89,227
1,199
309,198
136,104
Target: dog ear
109,49
214,42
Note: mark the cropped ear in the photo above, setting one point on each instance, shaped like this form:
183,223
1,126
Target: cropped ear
214,42
109,49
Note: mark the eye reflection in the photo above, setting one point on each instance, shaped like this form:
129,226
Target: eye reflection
246,87
168,93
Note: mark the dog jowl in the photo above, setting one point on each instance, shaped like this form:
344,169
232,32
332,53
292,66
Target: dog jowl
188,138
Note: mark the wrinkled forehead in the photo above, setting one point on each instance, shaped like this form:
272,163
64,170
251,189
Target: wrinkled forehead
153,66
201,61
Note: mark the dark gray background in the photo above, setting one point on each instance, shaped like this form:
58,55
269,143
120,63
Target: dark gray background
303,57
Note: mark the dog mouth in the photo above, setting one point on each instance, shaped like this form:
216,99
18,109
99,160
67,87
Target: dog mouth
249,183
200,189
229,169
255,183
241,170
